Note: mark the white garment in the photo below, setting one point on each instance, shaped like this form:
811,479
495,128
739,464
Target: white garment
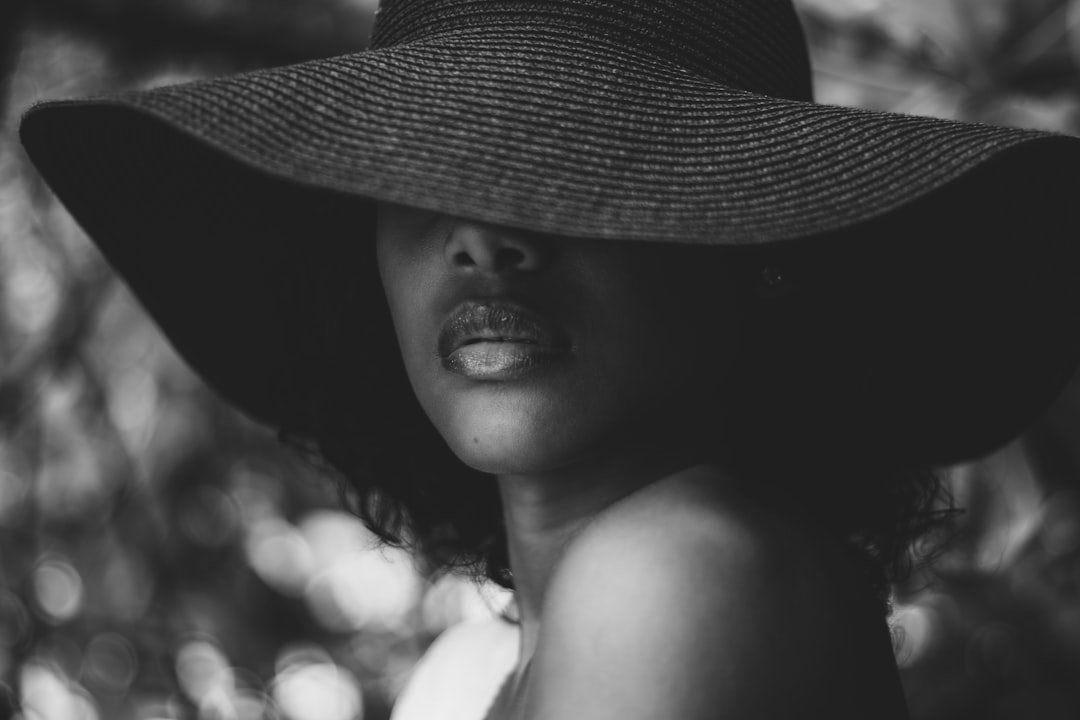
461,673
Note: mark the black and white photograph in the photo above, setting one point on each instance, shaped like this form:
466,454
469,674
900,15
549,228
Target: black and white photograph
539,359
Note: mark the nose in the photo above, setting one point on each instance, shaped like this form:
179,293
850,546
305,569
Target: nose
474,246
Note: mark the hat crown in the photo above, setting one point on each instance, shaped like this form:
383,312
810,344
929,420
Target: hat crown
755,45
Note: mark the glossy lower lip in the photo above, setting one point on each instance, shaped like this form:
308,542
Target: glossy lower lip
498,339
500,360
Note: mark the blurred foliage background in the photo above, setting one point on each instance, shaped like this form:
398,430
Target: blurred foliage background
161,557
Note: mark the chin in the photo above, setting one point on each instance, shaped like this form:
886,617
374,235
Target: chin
503,443
501,451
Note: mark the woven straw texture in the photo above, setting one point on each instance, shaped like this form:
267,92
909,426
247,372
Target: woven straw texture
659,120
630,119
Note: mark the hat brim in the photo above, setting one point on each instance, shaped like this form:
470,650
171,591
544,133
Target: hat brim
198,193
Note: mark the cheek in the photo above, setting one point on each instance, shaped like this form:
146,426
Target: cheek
654,356
652,367
404,274
669,383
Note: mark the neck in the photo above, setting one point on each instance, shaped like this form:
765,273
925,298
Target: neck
544,511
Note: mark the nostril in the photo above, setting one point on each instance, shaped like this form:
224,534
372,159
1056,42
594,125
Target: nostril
463,259
484,248
503,259
508,257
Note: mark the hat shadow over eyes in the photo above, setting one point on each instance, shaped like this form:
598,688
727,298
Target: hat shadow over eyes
937,331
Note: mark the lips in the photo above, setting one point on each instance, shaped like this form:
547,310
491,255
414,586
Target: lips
498,340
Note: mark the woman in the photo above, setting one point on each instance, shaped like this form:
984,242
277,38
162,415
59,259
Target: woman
589,296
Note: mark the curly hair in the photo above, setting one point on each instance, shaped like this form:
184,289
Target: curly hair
797,431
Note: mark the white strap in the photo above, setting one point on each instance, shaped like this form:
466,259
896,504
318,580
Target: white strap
461,673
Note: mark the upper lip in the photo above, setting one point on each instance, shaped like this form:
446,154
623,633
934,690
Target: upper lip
496,320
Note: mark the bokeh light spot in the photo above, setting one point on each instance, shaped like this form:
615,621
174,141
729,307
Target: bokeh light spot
111,663
133,406
58,589
256,492
332,534
203,671
309,686
364,588
48,695
208,517
33,297
279,554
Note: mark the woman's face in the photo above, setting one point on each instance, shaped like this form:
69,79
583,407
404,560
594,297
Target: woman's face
532,353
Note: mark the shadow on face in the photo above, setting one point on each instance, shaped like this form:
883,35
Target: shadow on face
597,346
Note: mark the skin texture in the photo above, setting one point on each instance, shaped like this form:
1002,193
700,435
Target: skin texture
650,343
648,588
703,604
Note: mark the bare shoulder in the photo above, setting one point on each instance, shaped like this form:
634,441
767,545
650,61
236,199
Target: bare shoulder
690,600
699,525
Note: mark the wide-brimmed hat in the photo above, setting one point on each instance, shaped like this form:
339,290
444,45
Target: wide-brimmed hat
676,121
